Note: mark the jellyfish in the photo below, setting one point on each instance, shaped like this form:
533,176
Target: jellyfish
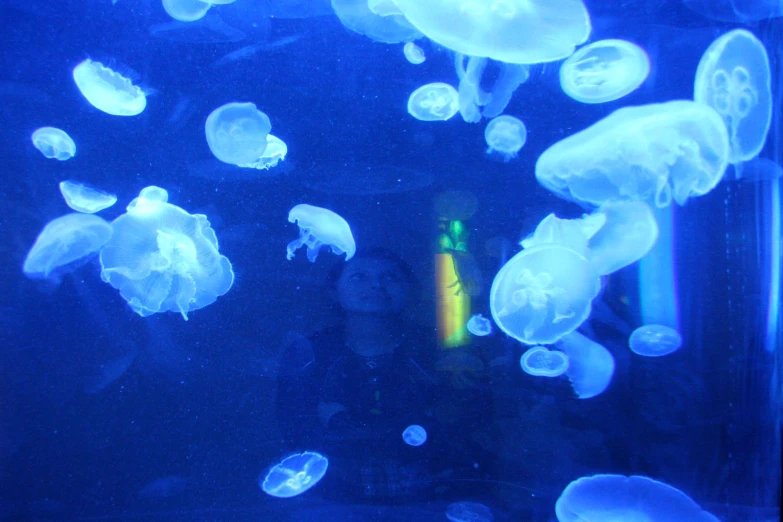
733,77
741,11
357,16
319,227
274,153
294,475
433,102
617,497
604,71
542,362
413,53
654,153
383,7
590,365
629,233
472,97
237,133
186,10
505,135
469,512
414,435
63,241
654,340
543,293
456,205
573,234
108,90
162,258
84,198
479,325
54,143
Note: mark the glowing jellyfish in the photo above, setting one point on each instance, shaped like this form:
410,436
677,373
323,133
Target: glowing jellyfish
654,340
414,435
474,102
479,325
599,498
650,153
541,362
570,233
64,241
383,7
590,365
320,227
294,475
274,153
505,135
162,259
108,90
543,293
733,78
433,102
84,198
186,10
414,53
469,512
629,233
237,133
54,143
604,71
390,28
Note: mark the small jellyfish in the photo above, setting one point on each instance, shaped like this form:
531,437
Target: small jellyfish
54,143
505,135
237,133
414,435
590,365
541,362
319,227
414,53
274,153
654,340
479,325
433,102
469,512
108,90
294,475
84,198
186,10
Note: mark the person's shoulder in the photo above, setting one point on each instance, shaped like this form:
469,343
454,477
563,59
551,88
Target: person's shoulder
328,344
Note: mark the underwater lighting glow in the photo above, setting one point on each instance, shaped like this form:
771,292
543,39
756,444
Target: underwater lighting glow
657,285
773,299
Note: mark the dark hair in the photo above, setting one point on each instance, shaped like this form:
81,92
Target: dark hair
381,254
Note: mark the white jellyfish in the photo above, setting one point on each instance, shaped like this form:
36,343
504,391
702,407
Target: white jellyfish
84,198
654,340
274,153
186,10
474,102
389,28
237,133
433,102
469,512
54,143
479,325
413,53
108,90
542,362
294,475
505,135
320,227
414,435
628,234
590,365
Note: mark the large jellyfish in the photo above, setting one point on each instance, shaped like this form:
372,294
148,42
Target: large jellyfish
357,16
590,365
650,152
186,10
294,475
733,78
472,97
320,227
505,135
237,133
84,198
63,241
542,362
108,90
162,259
654,340
54,143
604,71
433,102
629,233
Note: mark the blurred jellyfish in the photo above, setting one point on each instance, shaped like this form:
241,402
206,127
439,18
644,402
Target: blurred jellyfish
604,71
542,362
63,241
54,143
414,435
617,497
505,135
186,10
294,475
413,53
274,153
733,77
654,340
164,487
471,95
108,90
479,325
383,7
456,205
84,198
629,233
469,512
319,227
162,259
590,365
433,102
237,133
650,153
758,169
391,28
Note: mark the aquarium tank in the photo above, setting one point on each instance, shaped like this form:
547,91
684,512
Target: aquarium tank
391,260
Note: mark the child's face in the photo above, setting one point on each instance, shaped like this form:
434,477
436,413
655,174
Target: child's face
373,286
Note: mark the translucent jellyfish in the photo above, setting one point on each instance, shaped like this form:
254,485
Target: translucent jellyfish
274,153
505,135
654,340
65,240
616,497
604,71
357,16
84,198
383,7
294,475
590,365
469,512
186,10
629,233
237,133
472,96
542,362
433,102
162,259
733,78
319,227
650,153
54,143
414,435
543,293
479,325
512,31
574,234
455,205
108,90
758,169
413,53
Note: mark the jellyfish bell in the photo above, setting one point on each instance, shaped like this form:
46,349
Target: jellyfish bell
107,90
84,198
187,10
654,340
320,227
505,135
479,325
390,28
237,133
54,143
590,365
542,362
469,512
294,475
414,435
433,102
274,153
413,53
